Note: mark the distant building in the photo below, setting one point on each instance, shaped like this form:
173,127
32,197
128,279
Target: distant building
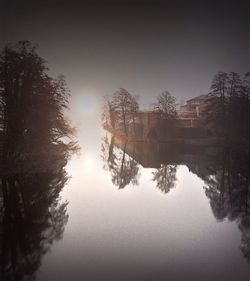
193,107
189,114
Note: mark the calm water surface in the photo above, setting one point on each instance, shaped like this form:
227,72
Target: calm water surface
136,228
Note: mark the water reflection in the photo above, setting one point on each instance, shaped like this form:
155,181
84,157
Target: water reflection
224,170
32,218
122,166
165,177
227,188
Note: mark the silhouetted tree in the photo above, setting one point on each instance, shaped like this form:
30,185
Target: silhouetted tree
166,105
245,95
121,109
32,106
134,108
215,112
227,110
235,106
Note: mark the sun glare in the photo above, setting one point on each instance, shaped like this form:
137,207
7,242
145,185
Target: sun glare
88,162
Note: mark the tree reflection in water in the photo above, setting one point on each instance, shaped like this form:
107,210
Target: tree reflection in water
228,191
165,177
123,168
224,170
32,217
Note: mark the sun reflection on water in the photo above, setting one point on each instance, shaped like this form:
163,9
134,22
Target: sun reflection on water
88,162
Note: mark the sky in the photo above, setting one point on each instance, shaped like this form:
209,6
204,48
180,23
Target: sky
146,47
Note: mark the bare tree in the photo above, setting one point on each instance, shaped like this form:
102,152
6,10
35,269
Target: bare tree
166,105
133,111
120,110
108,114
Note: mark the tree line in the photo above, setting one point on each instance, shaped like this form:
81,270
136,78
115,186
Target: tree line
36,141
227,111
120,110
224,113
32,107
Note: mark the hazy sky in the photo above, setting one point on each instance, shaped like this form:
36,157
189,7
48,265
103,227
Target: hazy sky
144,46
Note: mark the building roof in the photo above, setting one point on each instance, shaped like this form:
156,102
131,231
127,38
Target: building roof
201,97
148,112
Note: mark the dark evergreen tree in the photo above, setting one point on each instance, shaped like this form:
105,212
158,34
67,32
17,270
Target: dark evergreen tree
33,106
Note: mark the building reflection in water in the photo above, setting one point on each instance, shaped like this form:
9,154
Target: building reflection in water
224,170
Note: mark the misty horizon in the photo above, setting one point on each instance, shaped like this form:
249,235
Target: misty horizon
143,47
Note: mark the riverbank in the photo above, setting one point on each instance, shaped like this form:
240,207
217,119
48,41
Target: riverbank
203,141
